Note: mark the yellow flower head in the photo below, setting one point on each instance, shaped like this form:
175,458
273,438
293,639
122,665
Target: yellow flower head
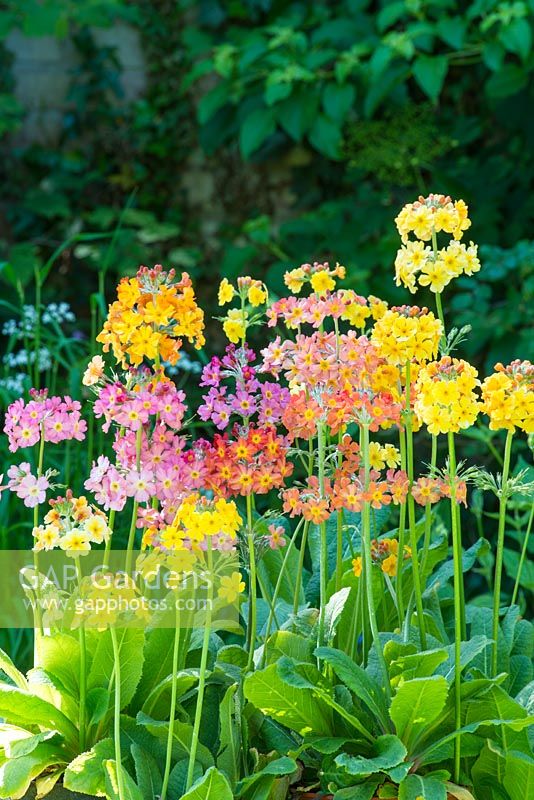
231,587
256,294
235,325
226,292
445,395
508,397
294,279
322,282
407,333
432,214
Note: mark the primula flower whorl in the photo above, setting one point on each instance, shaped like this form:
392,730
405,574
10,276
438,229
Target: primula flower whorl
407,333
433,214
445,395
508,396
151,313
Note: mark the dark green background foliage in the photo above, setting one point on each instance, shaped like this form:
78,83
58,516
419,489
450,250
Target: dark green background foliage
274,132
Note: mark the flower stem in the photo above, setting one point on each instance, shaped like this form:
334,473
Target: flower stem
300,568
402,528
252,598
83,666
117,712
523,556
367,562
500,549
458,606
133,524
411,514
428,509
172,712
38,612
323,553
202,673
111,525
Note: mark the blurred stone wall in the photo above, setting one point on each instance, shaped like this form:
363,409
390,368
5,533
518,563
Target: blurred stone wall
42,72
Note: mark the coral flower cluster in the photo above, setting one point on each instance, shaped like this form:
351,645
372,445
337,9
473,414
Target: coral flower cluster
508,396
446,400
150,315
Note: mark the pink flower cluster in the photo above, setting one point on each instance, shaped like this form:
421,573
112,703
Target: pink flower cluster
131,408
55,418
28,487
249,397
295,311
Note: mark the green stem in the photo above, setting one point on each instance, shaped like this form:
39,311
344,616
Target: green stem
500,548
367,562
202,674
117,712
133,523
402,528
323,554
172,712
524,550
83,666
411,514
300,568
111,525
458,609
339,526
278,586
38,613
252,595
428,509
37,337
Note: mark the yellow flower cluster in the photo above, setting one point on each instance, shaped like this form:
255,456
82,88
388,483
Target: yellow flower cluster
417,263
384,552
407,333
381,456
252,294
320,276
433,214
508,396
151,313
108,598
72,525
198,518
445,395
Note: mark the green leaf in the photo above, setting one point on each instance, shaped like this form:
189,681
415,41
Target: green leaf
506,82
517,38
297,114
388,752
298,709
519,775
256,128
212,786
97,702
468,652
452,30
406,663
27,710
338,100
361,791
9,669
357,680
430,73
211,102
16,774
130,642
157,662
488,770
86,774
325,136
230,743
416,704
60,656
148,774
130,790
416,787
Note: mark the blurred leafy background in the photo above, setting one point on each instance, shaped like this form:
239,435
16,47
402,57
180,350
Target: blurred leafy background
268,133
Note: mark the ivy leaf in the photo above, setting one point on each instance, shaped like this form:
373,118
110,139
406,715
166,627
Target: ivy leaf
430,73
256,128
452,31
506,82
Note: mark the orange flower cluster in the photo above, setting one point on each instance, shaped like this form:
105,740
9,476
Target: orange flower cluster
430,490
254,462
150,315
